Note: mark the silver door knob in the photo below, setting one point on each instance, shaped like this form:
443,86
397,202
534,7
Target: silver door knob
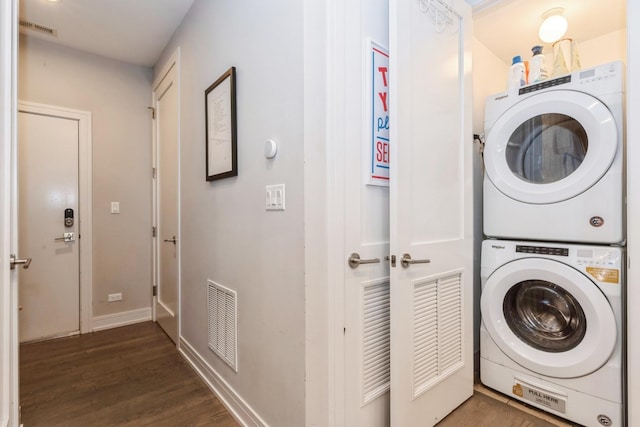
355,261
13,261
173,240
406,261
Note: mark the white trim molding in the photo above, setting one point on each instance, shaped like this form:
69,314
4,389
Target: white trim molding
124,318
241,411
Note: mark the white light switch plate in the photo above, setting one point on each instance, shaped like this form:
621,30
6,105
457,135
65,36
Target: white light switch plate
274,197
115,207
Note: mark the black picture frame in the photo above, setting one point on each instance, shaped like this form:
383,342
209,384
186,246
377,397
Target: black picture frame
221,127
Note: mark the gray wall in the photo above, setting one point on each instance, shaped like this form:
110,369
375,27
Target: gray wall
227,236
117,94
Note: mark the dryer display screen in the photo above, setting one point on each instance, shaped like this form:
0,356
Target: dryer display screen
542,250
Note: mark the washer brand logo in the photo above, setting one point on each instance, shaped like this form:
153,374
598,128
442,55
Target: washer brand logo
604,420
498,98
517,390
497,247
596,221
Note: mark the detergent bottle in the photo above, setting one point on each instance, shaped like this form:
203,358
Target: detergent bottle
516,74
538,69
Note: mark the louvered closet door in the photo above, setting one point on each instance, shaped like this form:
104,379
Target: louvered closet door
366,292
431,210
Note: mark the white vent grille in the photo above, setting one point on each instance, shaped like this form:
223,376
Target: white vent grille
223,323
376,337
30,26
437,330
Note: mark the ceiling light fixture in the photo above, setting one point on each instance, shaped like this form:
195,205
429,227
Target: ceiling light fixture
554,25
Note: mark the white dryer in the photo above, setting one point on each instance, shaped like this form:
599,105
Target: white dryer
554,159
552,327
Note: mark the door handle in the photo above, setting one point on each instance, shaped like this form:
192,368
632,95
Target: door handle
13,261
66,237
173,240
355,261
406,261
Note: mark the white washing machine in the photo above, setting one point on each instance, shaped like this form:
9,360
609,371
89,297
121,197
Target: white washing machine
552,327
554,159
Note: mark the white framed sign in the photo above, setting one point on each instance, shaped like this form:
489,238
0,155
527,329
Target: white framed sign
377,106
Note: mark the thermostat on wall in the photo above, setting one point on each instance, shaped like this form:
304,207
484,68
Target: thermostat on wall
270,149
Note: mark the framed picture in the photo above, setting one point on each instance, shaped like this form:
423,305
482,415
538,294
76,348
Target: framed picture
221,140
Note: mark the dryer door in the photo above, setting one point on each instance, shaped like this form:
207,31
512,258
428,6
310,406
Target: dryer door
551,147
548,317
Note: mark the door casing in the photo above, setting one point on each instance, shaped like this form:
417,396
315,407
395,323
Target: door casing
85,214
173,61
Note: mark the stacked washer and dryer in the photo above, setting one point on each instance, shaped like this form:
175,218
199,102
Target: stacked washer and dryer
552,267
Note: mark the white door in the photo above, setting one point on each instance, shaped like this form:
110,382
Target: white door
49,292
166,303
9,396
366,292
431,210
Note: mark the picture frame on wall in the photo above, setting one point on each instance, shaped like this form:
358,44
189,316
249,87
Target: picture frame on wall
221,127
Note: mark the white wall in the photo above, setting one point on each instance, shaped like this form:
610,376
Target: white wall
226,234
117,94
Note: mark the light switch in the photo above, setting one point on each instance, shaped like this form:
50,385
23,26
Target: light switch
274,199
115,207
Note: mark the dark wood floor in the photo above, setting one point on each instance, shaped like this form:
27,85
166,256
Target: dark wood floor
133,376
129,376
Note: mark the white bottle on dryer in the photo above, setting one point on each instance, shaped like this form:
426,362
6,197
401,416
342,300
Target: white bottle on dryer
538,69
517,75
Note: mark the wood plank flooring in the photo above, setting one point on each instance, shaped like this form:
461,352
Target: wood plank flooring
133,376
490,409
129,376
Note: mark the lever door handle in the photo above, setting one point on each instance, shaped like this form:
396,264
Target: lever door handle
66,237
355,261
173,240
13,261
406,261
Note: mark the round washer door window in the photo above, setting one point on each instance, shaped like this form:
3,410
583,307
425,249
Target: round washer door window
551,146
544,315
548,317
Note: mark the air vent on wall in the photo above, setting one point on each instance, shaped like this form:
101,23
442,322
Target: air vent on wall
30,26
223,323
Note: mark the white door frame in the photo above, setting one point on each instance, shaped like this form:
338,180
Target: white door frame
9,394
173,61
85,230
633,207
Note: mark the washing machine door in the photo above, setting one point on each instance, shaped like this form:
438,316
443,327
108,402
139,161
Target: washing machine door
548,317
551,146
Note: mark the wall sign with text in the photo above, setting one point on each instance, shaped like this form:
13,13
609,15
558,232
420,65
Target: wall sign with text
378,106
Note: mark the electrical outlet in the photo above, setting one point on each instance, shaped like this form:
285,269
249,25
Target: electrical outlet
115,297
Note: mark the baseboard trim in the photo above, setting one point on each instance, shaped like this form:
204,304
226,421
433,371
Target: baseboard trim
240,410
124,318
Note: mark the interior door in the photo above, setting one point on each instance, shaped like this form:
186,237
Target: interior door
431,210
166,303
9,395
49,292
366,293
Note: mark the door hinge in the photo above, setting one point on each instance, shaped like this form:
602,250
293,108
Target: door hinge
154,291
154,231
153,112
154,173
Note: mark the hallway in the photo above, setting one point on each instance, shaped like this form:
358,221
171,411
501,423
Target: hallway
128,376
